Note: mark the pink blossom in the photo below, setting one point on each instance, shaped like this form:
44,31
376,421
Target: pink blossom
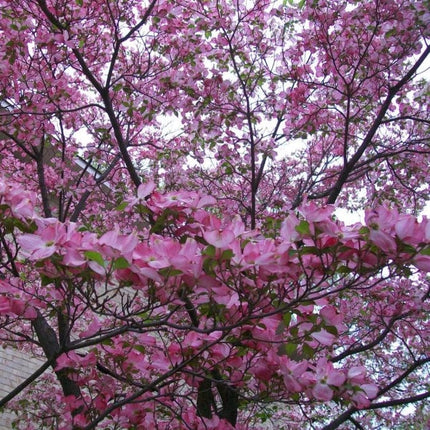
4,305
213,246
331,316
292,374
122,243
313,213
92,329
262,371
383,241
406,227
65,360
422,262
288,228
219,238
356,374
205,201
144,190
322,392
15,307
371,390
324,337
35,247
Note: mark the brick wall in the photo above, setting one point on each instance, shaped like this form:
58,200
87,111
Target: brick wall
15,367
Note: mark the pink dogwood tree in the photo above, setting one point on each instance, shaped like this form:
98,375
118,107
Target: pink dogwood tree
170,249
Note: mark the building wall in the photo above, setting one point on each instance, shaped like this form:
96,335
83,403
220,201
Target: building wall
15,367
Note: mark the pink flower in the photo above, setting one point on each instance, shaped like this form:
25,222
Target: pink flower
406,227
219,238
73,258
9,306
324,337
205,201
262,371
66,360
356,374
422,262
288,229
92,329
322,392
4,305
35,247
292,372
122,243
371,390
362,398
144,190
259,253
381,218
313,213
72,360
381,239
327,377
21,202
49,238
331,316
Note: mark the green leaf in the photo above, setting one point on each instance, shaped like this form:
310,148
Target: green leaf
286,318
46,280
227,169
310,250
120,263
404,247
390,32
332,329
303,227
343,270
159,224
210,251
168,271
289,349
425,251
139,348
209,265
364,230
294,331
95,256
307,351
8,225
227,255
3,208
121,206
295,396
12,58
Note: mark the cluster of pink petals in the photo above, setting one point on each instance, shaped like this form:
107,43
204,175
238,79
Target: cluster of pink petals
386,230
388,227
213,255
312,225
20,202
16,307
322,381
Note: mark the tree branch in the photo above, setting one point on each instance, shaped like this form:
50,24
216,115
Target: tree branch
349,166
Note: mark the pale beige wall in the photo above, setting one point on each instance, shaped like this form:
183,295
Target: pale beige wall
15,367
